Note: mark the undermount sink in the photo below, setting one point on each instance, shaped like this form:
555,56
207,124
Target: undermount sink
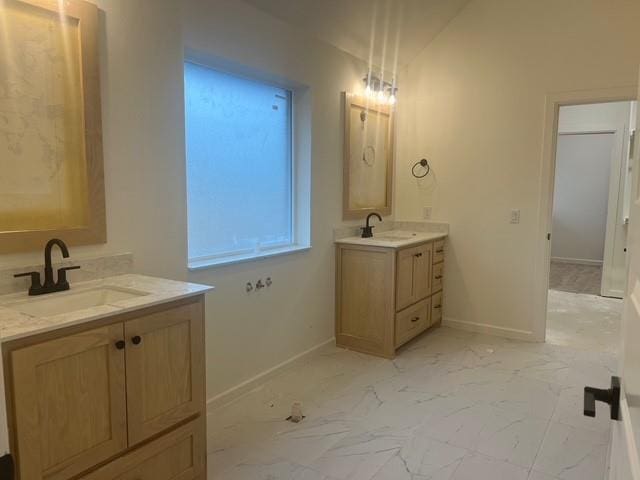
67,302
392,237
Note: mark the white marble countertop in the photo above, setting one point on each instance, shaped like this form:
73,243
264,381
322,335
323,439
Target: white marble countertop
393,239
149,291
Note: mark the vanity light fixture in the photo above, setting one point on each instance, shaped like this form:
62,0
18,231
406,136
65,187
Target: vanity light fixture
379,89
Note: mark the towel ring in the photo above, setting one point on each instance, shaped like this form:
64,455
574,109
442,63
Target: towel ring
423,163
369,155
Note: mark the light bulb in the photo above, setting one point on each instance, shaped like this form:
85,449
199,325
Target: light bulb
392,99
367,91
380,95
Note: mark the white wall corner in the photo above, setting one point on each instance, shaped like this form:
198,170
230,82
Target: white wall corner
512,333
256,381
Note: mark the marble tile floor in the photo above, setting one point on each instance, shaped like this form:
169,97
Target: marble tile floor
582,321
453,405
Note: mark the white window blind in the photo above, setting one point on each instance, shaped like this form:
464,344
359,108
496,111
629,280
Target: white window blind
239,164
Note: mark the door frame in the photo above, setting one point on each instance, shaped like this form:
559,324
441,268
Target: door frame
615,208
553,103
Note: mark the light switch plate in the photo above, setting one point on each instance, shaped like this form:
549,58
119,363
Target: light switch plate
515,216
426,213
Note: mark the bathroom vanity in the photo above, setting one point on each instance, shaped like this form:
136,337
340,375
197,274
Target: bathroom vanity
388,289
107,380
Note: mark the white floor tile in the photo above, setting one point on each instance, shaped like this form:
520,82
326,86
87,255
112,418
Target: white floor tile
505,435
572,453
453,405
423,458
360,455
479,467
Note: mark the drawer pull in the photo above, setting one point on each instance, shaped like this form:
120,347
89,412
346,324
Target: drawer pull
437,306
440,251
415,319
417,255
438,277
137,340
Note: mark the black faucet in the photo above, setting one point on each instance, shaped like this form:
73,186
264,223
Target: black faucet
49,286
367,230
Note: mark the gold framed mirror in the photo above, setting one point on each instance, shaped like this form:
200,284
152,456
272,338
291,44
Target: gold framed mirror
51,166
368,157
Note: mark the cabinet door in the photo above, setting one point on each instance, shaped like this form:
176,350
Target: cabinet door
413,275
165,369
405,294
422,272
69,401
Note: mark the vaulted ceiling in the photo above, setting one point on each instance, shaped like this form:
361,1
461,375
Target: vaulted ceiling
380,31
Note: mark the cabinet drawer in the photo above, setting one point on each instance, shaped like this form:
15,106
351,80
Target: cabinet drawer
179,455
412,321
438,251
438,275
436,308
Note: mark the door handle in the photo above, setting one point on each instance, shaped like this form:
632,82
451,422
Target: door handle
610,396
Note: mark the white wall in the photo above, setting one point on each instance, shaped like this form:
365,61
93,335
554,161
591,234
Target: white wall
142,77
473,103
248,334
581,195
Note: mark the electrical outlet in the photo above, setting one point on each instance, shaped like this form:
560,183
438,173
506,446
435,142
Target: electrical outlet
515,216
426,213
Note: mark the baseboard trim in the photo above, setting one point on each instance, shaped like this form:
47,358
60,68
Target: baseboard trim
254,382
577,261
512,333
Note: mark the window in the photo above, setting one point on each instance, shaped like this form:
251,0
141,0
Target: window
239,167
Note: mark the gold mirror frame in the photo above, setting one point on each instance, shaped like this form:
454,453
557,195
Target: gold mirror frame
92,230
352,179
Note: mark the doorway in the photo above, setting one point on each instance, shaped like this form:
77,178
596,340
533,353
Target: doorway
591,191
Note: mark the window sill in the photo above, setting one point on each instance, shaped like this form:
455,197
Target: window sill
217,262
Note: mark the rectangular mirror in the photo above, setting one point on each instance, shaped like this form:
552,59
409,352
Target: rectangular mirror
368,157
51,181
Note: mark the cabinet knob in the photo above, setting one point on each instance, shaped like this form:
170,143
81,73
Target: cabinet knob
137,340
120,344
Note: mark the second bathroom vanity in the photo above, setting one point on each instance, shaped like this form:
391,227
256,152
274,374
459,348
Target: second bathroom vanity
388,289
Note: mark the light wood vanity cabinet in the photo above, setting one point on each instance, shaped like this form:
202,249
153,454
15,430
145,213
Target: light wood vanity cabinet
386,297
123,400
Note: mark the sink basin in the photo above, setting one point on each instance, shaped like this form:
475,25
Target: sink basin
66,302
391,237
